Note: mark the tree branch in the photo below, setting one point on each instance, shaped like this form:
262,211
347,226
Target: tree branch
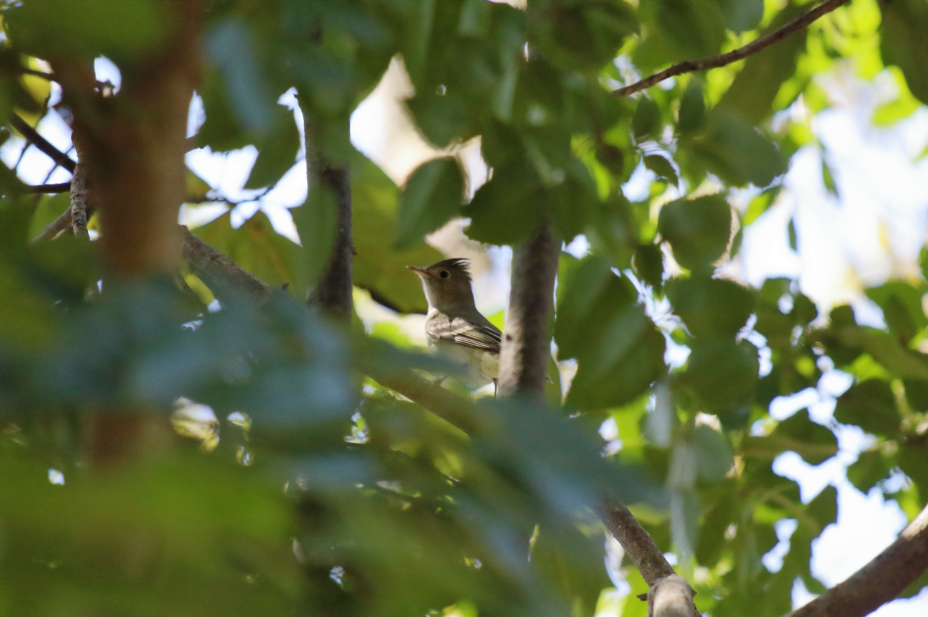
33,137
880,581
636,541
671,596
690,66
60,187
333,293
526,344
219,272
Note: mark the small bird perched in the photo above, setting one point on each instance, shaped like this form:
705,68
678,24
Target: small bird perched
454,327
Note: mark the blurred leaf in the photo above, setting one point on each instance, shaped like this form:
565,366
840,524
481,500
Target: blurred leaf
870,405
814,443
87,29
692,108
506,209
377,268
761,204
582,36
714,455
733,150
752,93
710,307
649,265
698,230
722,373
824,508
828,179
647,119
600,323
696,27
229,44
868,470
442,117
913,460
904,42
277,152
742,15
662,167
791,232
433,194
901,304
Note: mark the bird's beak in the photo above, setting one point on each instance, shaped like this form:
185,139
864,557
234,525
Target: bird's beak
422,273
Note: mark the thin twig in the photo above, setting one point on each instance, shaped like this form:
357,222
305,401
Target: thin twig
713,62
60,187
41,143
80,198
55,227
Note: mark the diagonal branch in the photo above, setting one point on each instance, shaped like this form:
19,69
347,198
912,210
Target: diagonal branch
33,137
880,581
690,66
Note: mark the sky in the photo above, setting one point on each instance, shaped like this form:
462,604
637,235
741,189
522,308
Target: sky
872,231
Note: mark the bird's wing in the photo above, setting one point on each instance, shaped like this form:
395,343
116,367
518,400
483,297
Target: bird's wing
483,335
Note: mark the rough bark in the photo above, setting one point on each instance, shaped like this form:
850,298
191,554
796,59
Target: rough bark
880,581
333,293
79,196
526,337
636,541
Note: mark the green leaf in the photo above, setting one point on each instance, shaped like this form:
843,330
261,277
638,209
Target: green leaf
904,42
692,108
662,167
752,93
741,15
722,373
506,209
902,307
710,307
791,232
733,150
87,29
714,456
698,230
647,119
870,405
760,204
257,248
433,195
230,46
377,268
913,460
620,353
813,442
868,470
824,508
442,117
582,35
277,152
695,27
649,265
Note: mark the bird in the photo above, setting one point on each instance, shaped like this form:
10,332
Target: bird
453,325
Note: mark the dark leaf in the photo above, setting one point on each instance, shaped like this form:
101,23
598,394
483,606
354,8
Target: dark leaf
710,307
698,230
722,373
433,194
870,405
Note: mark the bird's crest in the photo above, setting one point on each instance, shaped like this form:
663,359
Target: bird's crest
457,263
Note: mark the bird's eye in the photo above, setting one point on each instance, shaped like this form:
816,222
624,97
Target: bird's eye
444,274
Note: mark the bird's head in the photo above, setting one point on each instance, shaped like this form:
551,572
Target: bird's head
446,284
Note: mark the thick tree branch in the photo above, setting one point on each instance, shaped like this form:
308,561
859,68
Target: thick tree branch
333,293
33,137
526,340
690,66
60,187
880,581
636,541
